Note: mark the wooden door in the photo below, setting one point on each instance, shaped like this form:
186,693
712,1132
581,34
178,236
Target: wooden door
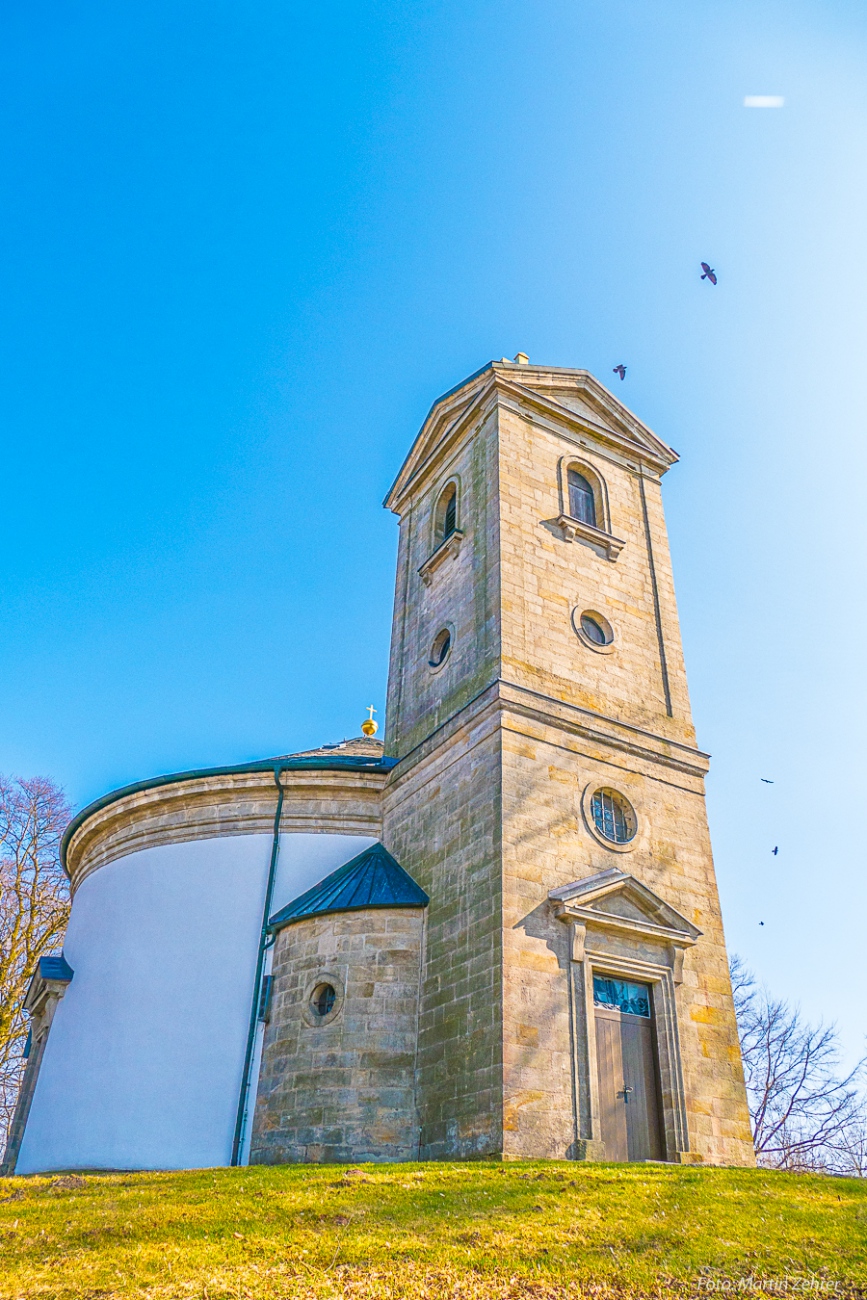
626,1065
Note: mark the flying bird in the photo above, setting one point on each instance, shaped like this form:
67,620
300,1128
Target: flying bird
709,273
621,371
766,780
776,850
761,922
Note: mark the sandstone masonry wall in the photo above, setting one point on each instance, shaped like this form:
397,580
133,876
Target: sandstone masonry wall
441,822
342,1088
499,749
546,582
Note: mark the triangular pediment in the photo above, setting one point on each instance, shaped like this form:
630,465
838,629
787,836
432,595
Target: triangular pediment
580,394
620,904
446,421
572,399
617,899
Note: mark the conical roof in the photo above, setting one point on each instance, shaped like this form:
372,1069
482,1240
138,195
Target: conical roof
373,879
352,747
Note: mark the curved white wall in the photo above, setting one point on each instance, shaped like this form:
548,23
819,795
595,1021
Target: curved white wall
142,1069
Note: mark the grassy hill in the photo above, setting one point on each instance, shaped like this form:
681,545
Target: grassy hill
432,1230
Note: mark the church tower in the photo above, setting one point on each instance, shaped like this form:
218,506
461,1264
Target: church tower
548,794
499,938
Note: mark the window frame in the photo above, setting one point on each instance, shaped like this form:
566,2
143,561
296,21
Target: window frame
440,547
631,796
597,485
311,1018
440,537
619,813
446,659
574,489
608,647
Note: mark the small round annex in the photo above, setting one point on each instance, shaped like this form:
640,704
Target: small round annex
156,1059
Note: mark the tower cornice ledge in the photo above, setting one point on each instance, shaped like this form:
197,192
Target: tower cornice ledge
504,697
604,729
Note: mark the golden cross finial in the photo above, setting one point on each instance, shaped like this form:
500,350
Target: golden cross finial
369,727
371,710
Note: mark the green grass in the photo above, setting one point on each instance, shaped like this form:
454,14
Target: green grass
471,1231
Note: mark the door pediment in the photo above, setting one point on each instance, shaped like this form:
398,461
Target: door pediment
615,900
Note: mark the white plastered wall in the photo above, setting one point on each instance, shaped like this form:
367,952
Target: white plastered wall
143,1064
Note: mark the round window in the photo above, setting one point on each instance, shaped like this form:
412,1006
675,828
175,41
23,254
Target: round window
322,999
593,629
440,648
613,817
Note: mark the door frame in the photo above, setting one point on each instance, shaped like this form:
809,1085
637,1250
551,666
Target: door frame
619,926
669,1073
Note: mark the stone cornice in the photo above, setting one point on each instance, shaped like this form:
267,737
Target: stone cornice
504,697
589,901
572,528
450,426
588,916
343,799
628,441
450,546
604,730
450,415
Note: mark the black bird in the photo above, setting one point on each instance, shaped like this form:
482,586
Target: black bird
766,781
621,371
776,850
761,922
709,273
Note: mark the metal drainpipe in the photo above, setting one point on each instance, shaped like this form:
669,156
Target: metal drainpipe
243,1100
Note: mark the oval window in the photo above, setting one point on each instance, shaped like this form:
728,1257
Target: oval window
593,630
322,999
613,816
440,648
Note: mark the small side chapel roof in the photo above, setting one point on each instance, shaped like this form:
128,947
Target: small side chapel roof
373,879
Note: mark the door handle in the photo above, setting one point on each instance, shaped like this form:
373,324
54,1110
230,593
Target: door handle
624,1093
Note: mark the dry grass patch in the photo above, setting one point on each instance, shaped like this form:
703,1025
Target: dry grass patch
472,1231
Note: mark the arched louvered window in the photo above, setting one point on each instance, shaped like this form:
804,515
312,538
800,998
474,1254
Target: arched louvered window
447,513
449,521
582,504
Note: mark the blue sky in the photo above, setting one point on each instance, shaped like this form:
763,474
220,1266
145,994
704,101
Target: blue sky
242,249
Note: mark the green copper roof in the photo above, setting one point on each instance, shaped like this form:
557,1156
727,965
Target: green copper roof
373,879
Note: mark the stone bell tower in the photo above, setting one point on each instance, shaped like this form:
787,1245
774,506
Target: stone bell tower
548,794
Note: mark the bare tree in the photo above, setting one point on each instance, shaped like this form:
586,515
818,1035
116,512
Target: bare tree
805,1113
848,1151
34,907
